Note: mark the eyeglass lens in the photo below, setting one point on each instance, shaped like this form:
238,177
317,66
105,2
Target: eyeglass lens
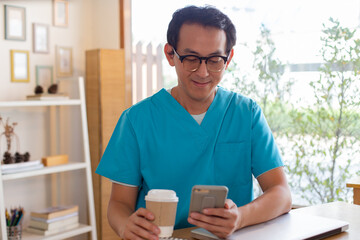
213,64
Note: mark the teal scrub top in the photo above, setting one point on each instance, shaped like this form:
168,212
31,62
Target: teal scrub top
157,144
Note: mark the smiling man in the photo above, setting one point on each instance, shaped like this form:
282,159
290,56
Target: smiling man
196,133
198,76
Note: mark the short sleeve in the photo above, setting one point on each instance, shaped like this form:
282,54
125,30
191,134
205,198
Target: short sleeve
120,161
264,151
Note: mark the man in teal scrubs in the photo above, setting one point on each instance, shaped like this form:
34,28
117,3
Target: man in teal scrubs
194,134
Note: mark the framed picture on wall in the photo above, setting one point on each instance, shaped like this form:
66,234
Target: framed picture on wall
64,62
44,76
19,66
15,27
61,13
40,38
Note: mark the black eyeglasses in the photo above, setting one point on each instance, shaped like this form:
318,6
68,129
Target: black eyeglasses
192,62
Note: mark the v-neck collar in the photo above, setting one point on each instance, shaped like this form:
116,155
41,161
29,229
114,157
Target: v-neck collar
217,110
208,131
213,117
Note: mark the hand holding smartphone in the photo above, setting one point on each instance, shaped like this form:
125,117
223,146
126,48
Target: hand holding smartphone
207,196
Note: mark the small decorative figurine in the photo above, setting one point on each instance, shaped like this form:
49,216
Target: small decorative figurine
53,88
9,136
38,89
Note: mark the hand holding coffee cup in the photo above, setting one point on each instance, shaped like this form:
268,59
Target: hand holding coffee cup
163,203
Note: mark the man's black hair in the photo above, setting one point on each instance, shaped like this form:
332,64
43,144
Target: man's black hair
206,16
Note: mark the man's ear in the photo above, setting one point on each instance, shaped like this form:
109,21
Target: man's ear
230,57
169,53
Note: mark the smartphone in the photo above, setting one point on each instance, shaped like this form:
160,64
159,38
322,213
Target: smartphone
207,196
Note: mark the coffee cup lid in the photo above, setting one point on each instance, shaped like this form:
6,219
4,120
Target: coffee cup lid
159,195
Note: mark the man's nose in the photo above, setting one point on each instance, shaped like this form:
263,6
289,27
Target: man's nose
202,70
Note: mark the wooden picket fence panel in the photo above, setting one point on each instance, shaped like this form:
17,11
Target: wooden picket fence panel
147,71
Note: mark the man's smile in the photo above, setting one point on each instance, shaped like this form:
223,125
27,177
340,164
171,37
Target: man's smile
201,84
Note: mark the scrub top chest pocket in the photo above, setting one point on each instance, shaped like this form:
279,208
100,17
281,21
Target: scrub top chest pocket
232,163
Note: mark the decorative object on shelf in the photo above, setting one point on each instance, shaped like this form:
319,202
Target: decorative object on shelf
44,77
55,160
22,157
53,88
9,136
38,89
15,26
19,66
40,38
61,13
14,223
17,158
64,62
14,232
8,158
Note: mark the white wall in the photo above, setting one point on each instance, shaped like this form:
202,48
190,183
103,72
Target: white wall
92,24
104,26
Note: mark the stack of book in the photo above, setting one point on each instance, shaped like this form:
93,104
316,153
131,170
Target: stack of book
21,167
54,220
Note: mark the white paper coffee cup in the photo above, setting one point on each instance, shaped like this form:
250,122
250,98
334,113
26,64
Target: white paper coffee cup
163,203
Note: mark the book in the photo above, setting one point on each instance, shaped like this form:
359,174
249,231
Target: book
54,219
21,167
53,231
48,96
56,211
53,225
55,160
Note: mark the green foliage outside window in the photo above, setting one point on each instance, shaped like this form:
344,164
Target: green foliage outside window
328,131
320,142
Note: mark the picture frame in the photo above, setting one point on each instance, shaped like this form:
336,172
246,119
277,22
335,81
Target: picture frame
15,23
20,66
64,62
61,13
40,38
44,76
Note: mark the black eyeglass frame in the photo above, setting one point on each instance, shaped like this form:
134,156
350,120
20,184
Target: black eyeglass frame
182,57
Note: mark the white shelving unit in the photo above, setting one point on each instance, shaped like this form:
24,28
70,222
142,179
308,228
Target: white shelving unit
84,165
